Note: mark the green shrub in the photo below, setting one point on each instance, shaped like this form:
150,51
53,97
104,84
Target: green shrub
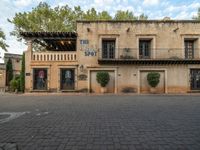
103,78
18,84
153,78
13,84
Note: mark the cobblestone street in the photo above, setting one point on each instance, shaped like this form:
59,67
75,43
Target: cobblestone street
61,122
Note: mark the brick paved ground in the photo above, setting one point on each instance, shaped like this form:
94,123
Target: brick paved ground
102,122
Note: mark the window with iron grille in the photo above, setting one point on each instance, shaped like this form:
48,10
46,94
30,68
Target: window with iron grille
108,48
195,79
40,78
144,49
67,81
189,49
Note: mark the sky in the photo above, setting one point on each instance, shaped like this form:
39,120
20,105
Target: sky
155,9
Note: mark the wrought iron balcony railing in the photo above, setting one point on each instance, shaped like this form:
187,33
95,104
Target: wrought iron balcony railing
161,53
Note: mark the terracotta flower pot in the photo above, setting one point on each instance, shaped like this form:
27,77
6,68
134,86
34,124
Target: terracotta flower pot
103,89
152,90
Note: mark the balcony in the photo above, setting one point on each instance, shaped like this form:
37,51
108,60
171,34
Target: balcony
54,56
154,56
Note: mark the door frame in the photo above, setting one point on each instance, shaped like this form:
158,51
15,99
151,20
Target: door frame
191,88
61,69
102,69
153,69
189,67
75,77
48,67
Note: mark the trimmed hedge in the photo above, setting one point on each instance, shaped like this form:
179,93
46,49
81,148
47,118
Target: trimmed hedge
153,78
103,78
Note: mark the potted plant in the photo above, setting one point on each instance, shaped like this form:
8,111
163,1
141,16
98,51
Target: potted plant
153,79
103,78
14,85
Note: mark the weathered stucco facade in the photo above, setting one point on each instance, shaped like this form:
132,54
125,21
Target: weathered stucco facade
128,50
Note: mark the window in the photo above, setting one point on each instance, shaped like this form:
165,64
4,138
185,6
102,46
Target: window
189,49
67,79
195,79
40,79
144,49
108,48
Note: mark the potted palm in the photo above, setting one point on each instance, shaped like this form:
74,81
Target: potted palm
153,79
103,78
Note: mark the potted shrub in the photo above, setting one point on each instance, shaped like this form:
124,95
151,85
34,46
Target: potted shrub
153,79
14,85
103,78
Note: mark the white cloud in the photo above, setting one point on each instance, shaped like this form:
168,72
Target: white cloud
103,2
22,3
182,11
151,2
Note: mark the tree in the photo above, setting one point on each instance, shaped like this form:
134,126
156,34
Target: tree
9,72
22,74
61,18
90,14
104,15
198,15
143,17
3,45
124,15
44,18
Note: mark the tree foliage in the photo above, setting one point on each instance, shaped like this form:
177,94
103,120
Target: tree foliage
124,15
143,17
9,71
61,18
44,18
198,15
104,15
3,44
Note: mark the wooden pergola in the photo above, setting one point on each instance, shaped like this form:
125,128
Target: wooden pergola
53,41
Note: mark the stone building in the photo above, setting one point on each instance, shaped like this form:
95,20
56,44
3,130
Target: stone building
127,50
16,62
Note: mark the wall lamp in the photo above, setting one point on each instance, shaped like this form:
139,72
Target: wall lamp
88,29
81,68
176,29
128,30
